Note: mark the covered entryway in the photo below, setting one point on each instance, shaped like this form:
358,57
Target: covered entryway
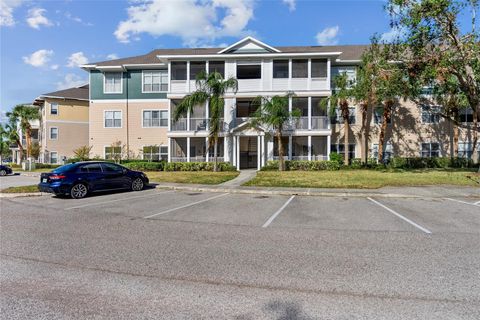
248,152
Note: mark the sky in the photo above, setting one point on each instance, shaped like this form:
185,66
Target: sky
43,43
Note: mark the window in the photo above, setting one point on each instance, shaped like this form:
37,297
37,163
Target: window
155,153
53,108
53,157
91,168
112,168
155,81
179,71
113,153
338,119
53,133
340,149
387,151
155,118
319,68
113,82
249,71
378,116
350,71
217,66
465,150
195,68
113,119
466,115
430,150
430,114
300,68
280,69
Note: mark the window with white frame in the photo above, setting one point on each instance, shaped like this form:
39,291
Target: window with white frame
196,67
319,68
113,119
337,118
387,151
430,114
378,116
350,71
466,115
280,69
113,82
53,133
155,153
178,70
430,150
155,118
155,81
465,150
112,153
300,68
217,66
249,70
53,157
340,149
54,108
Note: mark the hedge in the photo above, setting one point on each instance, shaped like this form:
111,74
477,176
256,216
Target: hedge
304,165
423,163
145,165
198,166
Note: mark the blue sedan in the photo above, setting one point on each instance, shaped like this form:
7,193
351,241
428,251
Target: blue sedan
4,170
80,178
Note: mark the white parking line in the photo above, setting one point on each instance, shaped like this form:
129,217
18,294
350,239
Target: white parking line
476,204
116,200
185,206
400,216
267,223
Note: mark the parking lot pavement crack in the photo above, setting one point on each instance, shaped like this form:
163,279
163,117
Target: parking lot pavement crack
242,285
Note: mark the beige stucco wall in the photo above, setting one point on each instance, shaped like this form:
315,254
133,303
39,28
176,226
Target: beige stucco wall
68,110
99,137
406,132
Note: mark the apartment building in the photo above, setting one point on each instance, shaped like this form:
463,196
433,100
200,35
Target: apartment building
132,100
64,123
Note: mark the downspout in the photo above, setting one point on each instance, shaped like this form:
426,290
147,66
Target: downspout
128,140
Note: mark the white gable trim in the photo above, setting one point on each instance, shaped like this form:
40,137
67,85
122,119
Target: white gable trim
246,39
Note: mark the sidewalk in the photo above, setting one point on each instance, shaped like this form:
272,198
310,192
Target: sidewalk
386,192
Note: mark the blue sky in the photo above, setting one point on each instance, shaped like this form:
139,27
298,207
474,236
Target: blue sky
43,42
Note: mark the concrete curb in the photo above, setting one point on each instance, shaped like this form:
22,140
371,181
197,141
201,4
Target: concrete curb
24,194
307,192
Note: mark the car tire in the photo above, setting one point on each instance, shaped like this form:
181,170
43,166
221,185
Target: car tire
78,191
137,184
3,173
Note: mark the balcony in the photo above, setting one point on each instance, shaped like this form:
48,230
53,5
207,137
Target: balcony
320,123
180,125
198,124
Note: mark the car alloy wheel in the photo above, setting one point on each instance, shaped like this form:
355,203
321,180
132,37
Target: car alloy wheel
3,173
79,191
137,184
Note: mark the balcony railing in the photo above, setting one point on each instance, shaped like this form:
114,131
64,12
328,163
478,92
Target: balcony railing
301,123
180,125
198,159
198,124
178,159
320,123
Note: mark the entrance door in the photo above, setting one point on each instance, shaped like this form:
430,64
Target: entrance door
248,152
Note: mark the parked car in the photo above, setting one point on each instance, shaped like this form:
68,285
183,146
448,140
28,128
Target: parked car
4,170
80,178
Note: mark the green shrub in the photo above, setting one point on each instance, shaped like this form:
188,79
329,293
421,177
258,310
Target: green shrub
47,166
303,165
433,163
198,166
145,165
356,163
336,157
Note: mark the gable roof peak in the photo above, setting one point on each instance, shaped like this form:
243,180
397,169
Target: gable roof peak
246,41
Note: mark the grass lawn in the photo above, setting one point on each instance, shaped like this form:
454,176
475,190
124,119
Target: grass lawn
22,189
195,177
363,179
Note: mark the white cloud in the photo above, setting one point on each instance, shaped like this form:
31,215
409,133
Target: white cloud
69,16
77,59
54,67
392,35
196,22
328,36
291,4
39,58
6,11
71,80
112,56
36,18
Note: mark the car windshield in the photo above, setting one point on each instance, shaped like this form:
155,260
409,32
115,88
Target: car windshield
65,168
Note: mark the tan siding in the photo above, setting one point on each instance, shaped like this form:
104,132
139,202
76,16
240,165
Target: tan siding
70,137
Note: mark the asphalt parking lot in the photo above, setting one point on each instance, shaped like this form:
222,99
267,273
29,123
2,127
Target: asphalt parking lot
184,255
17,180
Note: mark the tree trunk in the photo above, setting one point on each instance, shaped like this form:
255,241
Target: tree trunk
346,122
281,161
215,160
475,136
28,138
387,113
364,110
20,151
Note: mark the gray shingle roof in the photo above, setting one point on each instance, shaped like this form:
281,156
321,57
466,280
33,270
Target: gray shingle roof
78,93
349,52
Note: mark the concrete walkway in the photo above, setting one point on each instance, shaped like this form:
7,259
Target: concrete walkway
244,176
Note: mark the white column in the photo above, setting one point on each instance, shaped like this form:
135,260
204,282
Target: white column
263,149
234,151
259,153
169,115
207,153
188,77
290,151
270,146
309,113
188,149
289,74
309,72
329,143
207,114
237,156
169,150
188,121
169,89
329,72
309,148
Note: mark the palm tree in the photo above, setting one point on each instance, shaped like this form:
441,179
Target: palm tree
211,88
24,114
340,99
273,113
11,134
4,142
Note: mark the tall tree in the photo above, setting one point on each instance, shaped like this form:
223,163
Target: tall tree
12,136
433,39
273,113
340,100
24,115
4,143
211,89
